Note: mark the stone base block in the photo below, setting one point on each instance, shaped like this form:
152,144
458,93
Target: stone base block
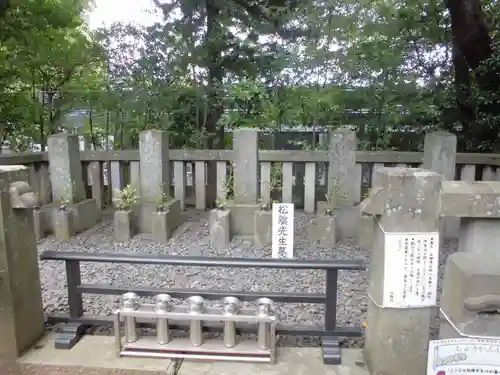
160,229
347,219
63,224
469,291
322,229
144,213
263,228
451,228
124,225
366,230
40,223
384,352
479,235
86,214
242,218
219,228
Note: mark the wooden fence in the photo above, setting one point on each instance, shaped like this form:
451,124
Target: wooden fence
302,178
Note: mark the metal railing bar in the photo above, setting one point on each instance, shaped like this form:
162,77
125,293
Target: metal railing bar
207,294
281,329
326,264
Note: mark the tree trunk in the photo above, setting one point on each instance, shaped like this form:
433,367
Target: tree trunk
4,6
474,45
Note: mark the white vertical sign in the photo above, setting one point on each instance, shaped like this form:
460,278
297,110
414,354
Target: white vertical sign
411,263
282,226
464,356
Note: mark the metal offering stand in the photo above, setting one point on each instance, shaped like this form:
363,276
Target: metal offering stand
227,348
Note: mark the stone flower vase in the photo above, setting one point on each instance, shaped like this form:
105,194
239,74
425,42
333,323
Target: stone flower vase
124,225
63,223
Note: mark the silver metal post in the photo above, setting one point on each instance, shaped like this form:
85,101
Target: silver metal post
231,307
195,307
130,303
264,309
162,306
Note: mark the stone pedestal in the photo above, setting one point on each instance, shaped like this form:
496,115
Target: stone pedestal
347,219
242,218
479,236
63,224
86,214
124,225
144,213
159,227
263,228
440,150
219,228
366,229
470,287
39,223
21,309
405,201
322,230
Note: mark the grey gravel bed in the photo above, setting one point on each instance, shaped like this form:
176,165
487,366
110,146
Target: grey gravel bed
192,239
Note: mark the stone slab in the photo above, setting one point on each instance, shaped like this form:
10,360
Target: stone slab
144,213
263,228
86,214
242,218
470,284
219,228
322,229
347,219
94,355
366,231
471,199
479,236
290,361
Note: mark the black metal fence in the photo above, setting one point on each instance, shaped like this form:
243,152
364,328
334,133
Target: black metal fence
77,321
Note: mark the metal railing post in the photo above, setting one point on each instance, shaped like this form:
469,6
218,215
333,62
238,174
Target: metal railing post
231,307
162,305
130,302
264,309
73,279
195,308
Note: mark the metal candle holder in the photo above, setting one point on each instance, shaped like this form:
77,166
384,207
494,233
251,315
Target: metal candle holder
265,308
163,304
196,307
130,303
231,307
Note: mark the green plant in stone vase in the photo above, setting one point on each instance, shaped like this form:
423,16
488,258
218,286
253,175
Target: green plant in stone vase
126,198
162,202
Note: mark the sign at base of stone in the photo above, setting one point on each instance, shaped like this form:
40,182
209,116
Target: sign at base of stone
282,229
411,263
464,356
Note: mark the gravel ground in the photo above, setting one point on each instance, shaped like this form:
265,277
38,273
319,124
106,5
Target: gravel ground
192,239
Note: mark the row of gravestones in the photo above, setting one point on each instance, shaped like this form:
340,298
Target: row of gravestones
406,207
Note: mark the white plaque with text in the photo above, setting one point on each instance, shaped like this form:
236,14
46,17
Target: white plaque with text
282,240
464,356
410,269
